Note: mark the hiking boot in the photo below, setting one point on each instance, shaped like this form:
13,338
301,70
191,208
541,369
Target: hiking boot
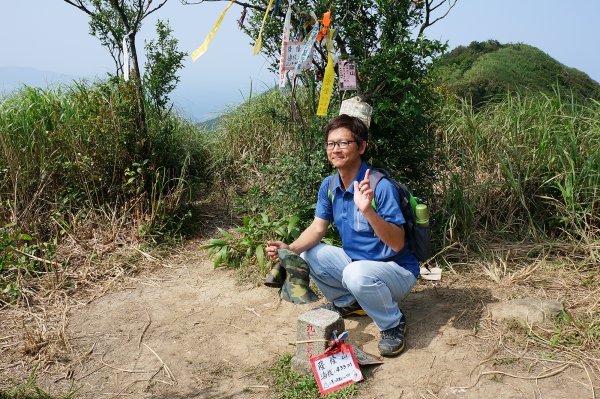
392,340
353,310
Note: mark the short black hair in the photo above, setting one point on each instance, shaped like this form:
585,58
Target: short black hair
360,131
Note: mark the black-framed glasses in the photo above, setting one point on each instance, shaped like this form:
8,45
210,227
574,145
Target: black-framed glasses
330,145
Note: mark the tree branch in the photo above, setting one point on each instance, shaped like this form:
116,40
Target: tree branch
154,9
429,8
79,5
241,3
122,16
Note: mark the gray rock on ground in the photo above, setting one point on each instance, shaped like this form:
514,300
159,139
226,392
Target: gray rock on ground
526,310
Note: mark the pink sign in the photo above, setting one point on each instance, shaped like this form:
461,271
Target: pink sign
347,72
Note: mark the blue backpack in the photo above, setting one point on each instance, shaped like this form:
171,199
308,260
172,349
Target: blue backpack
417,235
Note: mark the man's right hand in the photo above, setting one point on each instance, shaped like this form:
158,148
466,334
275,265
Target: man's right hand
273,246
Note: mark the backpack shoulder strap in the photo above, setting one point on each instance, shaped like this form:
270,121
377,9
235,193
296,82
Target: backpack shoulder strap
375,175
330,187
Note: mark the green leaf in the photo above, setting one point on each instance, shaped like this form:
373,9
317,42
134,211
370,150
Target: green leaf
292,223
265,217
225,233
25,237
220,257
216,242
260,256
280,232
211,250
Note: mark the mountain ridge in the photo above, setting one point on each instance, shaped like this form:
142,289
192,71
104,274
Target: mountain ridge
484,70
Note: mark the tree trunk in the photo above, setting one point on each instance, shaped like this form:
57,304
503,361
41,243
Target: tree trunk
137,81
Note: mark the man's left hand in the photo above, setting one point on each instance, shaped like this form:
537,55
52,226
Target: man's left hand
363,194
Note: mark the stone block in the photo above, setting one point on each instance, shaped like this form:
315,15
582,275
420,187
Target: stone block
315,325
526,310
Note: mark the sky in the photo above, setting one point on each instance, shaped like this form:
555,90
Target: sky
52,36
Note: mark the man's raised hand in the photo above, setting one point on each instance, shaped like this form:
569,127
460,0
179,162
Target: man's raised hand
363,194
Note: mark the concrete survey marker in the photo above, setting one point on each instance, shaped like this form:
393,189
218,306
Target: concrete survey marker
313,331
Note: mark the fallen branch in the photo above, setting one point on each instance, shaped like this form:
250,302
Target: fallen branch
167,369
252,310
49,262
234,326
539,377
90,373
146,328
123,370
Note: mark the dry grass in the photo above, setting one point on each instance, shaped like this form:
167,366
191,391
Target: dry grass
572,341
104,253
32,330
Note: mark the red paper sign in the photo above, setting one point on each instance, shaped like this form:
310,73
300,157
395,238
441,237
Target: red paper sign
336,369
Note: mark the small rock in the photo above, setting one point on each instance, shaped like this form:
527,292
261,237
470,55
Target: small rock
526,310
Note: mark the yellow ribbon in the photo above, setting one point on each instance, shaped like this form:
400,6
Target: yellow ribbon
204,46
258,44
328,79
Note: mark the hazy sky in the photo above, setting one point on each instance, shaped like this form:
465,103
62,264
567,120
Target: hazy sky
51,35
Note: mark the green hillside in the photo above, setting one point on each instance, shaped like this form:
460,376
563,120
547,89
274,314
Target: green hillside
484,70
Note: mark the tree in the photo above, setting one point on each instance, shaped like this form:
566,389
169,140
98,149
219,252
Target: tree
387,41
110,21
163,62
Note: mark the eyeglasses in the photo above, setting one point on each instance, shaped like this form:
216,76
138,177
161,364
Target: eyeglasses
342,144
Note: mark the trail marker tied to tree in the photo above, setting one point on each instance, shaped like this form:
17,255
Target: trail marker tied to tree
204,46
297,52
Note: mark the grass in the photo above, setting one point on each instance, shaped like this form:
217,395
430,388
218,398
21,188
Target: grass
30,389
570,340
290,385
83,195
72,161
522,170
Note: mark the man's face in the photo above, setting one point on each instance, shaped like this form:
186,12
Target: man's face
344,158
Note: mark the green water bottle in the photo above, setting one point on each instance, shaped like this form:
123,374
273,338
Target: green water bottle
422,214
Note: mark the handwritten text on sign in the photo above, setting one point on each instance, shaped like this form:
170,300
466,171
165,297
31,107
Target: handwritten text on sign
347,72
292,51
333,371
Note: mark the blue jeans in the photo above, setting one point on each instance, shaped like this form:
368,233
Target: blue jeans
377,286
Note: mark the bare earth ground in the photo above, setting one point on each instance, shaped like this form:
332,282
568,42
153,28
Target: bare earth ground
187,331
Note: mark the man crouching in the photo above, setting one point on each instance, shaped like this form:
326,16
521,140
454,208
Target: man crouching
373,270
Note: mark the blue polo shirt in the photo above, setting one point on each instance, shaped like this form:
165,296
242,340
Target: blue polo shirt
358,237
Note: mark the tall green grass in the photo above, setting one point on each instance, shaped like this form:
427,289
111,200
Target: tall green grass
72,157
526,168
523,169
78,148
267,160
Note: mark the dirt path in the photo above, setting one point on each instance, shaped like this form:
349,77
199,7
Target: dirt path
187,331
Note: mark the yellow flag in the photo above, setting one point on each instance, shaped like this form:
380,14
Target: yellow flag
204,46
258,44
328,79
